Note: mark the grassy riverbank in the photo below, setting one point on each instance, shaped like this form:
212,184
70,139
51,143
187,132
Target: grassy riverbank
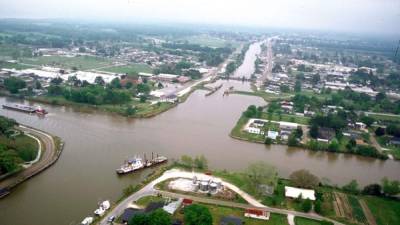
143,110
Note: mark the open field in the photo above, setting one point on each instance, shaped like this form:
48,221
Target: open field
129,69
305,221
80,62
385,211
209,41
16,66
218,212
266,96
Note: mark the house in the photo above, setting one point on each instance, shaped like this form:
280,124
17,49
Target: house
254,130
183,79
231,220
147,75
129,213
292,192
166,77
261,214
288,125
360,125
325,134
272,134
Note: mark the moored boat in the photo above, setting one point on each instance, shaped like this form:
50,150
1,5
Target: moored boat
131,165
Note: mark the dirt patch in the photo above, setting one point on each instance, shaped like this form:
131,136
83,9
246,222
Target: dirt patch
370,218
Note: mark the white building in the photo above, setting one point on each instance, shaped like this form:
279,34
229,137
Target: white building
292,192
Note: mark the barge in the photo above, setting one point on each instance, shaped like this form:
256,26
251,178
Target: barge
138,163
25,108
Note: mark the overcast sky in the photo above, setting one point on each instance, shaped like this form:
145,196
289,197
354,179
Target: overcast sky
373,16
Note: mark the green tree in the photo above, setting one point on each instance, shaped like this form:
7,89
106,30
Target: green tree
259,173
130,110
14,84
230,68
201,162
297,86
159,217
351,187
306,205
9,160
197,215
389,187
139,219
187,161
304,179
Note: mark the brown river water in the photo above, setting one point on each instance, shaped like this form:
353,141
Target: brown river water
97,143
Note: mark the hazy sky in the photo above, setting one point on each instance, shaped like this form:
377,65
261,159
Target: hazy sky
374,16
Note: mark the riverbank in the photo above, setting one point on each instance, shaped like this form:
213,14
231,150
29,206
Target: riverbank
238,132
51,148
349,204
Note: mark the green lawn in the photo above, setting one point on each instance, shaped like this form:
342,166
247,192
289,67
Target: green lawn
385,211
80,62
286,118
305,221
26,147
144,201
218,212
129,69
210,41
388,118
266,96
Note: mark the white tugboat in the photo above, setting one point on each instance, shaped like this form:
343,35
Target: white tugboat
131,166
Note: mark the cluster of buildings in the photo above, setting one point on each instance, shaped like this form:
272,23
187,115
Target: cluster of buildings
283,130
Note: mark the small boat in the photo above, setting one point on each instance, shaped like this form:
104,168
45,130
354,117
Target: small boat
87,221
105,205
99,212
131,166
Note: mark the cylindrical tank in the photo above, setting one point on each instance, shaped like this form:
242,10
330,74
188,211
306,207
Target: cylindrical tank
213,187
204,186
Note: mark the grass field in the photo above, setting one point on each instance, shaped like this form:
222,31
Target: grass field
266,96
209,41
385,211
358,213
17,66
129,69
388,118
305,221
80,62
218,212
26,147
144,201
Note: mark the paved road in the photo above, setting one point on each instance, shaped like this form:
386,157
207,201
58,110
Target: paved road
174,173
48,157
